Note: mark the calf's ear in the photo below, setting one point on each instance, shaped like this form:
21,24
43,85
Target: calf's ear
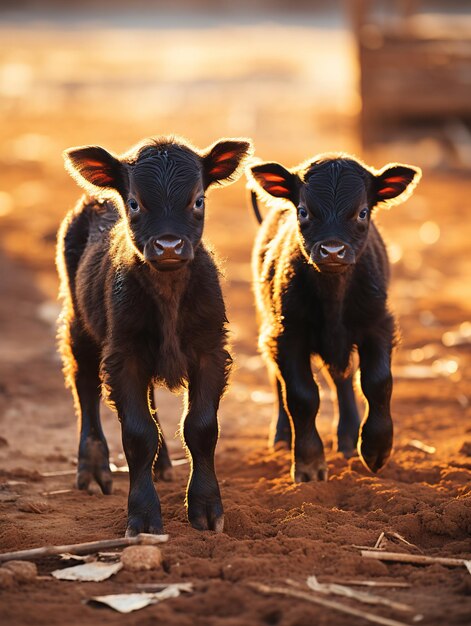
276,180
223,161
395,182
93,166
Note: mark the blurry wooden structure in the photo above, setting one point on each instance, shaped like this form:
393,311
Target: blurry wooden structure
415,66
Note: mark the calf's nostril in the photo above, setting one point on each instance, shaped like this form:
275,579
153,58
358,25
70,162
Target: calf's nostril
158,247
333,251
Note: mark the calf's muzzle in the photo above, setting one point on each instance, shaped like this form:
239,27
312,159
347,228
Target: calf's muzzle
168,252
332,256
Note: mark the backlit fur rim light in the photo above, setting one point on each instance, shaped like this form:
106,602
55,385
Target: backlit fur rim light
131,156
301,169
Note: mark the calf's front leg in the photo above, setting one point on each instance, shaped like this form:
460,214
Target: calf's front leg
128,388
200,431
376,435
301,398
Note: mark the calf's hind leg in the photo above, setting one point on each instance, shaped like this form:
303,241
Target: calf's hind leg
282,426
82,361
301,397
349,418
162,465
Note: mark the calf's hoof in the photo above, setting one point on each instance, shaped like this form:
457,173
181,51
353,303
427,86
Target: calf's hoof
347,439
93,463
306,472
375,445
282,438
281,444
144,524
347,446
209,520
206,514
163,471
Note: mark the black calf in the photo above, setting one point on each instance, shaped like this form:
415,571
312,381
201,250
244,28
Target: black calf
143,306
320,278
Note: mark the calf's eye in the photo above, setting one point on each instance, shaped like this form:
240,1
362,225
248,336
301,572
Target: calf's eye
134,207
198,208
303,214
199,204
363,214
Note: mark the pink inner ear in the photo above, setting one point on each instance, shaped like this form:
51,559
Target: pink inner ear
225,156
385,190
277,189
99,177
92,163
274,178
218,169
395,179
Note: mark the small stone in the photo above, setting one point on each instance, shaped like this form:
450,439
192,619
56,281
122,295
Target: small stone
7,578
466,448
139,558
33,504
9,497
23,571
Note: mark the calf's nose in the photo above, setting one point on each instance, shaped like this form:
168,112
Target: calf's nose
332,251
168,246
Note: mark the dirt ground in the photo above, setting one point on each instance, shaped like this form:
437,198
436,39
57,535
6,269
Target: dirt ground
113,86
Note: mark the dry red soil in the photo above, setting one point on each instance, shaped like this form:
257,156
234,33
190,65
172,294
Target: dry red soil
274,529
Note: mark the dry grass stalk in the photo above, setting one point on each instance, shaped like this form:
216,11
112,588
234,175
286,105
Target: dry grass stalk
382,542
331,604
83,548
400,539
354,545
374,583
361,596
58,473
420,445
57,492
417,559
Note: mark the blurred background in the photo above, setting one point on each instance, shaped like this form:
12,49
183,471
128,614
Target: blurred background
384,80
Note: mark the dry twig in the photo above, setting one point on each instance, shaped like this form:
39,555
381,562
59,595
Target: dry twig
361,596
331,604
417,559
83,548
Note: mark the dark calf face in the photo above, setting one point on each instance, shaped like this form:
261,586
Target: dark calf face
162,185
334,199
